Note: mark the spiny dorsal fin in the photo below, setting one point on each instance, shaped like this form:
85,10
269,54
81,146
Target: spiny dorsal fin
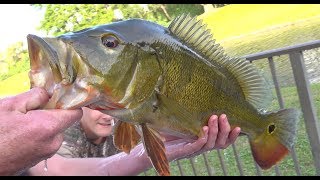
194,34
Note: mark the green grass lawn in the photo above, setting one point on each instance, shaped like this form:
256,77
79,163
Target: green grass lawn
296,33
240,19
244,29
15,84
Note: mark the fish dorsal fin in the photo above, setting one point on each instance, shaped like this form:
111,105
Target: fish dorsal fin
194,34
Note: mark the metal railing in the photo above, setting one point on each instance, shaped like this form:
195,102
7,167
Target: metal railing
303,87
306,103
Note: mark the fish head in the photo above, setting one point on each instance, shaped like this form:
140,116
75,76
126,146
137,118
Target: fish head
88,67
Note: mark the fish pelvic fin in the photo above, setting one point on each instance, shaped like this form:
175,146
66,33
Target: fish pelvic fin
277,139
156,151
125,136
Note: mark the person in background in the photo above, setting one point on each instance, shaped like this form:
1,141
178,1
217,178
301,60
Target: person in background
88,148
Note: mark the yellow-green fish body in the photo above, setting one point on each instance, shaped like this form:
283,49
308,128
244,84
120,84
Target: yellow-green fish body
154,79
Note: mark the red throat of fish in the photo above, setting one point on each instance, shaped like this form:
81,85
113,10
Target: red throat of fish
268,153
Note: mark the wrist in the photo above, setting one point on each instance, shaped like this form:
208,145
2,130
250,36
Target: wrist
141,157
123,164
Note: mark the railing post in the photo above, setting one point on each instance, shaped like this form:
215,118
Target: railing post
180,168
309,112
281,104
275,82
223,166
235,152
206,161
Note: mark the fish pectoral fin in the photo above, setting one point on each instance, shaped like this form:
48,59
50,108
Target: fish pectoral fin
156,150
134,114
125,136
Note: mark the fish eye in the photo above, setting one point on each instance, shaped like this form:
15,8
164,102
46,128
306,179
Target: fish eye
110,41
271,128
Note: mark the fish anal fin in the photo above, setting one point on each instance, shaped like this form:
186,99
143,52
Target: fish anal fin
125,136
156,150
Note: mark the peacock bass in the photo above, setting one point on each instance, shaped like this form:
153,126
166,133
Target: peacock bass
157,79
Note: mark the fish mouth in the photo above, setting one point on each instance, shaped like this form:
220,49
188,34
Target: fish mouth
58,68
44,64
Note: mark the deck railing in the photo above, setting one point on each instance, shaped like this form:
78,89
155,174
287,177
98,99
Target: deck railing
303,87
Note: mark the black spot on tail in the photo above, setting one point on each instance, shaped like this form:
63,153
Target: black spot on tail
271,128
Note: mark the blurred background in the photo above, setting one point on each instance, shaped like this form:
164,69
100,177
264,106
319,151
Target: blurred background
241,29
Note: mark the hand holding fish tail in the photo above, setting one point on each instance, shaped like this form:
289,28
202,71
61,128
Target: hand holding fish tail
225,136
217,135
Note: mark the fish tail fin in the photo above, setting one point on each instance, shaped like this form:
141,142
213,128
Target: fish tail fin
277,139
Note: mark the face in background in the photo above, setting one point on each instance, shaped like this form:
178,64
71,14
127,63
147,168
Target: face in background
96,124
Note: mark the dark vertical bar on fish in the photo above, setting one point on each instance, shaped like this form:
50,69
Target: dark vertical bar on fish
239,164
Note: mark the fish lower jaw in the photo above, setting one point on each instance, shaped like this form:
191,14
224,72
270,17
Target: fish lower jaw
72,96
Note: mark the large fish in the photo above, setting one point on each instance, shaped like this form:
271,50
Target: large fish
157,79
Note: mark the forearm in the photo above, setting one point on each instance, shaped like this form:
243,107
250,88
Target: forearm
121,164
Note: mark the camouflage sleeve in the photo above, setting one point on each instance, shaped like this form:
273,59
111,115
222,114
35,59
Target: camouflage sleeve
66,150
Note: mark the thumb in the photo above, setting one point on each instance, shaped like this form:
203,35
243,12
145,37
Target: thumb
57,120
32,99
64,118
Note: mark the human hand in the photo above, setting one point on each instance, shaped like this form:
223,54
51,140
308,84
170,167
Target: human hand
217,135
28,134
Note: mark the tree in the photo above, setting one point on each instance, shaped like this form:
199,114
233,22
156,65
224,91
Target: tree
14,60
59,19
16,52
